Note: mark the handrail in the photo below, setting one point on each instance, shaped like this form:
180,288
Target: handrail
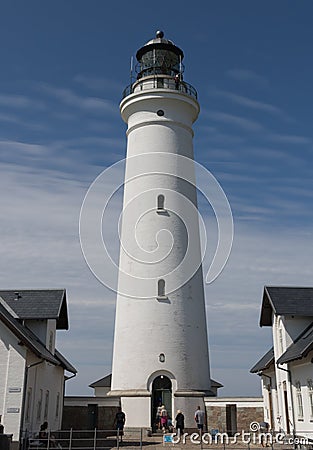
160,82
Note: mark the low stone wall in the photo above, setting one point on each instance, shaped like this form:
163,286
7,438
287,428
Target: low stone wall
233,414
87,413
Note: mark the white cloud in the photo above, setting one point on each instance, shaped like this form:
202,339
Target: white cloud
247,75
234,120
68,97
20,102
98,84
250,103
289,139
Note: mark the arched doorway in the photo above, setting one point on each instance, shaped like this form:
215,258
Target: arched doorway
161,395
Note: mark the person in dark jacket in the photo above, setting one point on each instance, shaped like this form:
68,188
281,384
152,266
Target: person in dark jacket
180,423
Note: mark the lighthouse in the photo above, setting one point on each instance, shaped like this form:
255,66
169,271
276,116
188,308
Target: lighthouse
160,353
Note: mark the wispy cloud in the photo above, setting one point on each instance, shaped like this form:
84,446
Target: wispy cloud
20,149
247,75
22,122
250,103
237,121
289,139
68,97
20,101
98,84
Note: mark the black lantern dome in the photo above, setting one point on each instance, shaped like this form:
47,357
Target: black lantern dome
159,57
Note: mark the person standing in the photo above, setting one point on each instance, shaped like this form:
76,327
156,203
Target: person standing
119,422
200,418
158,416
163,418
180,423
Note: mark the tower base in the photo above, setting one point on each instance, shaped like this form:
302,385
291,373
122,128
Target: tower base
136,405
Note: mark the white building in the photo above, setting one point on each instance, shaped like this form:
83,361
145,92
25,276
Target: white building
161,344
286,370
32,371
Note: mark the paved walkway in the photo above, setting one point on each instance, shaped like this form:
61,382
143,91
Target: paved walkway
156,442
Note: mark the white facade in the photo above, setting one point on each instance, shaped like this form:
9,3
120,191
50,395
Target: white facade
32,374
287,387
160,334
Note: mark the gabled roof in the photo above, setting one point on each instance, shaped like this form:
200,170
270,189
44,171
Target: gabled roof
30,340
284,300
38,304
300,348
103,382
264,362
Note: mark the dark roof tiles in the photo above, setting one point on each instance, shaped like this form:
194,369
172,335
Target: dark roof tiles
264,362
38,304
285,300
300,348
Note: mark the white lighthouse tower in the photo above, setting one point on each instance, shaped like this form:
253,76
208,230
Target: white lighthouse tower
160,345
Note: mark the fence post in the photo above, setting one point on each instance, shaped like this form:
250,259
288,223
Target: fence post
95,439
70,443
140,438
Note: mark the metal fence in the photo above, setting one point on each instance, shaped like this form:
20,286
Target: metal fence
138,438
160,82
83,439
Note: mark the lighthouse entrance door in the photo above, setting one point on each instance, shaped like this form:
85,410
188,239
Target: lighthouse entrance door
161,395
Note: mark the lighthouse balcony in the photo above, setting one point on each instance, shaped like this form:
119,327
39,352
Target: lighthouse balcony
160,82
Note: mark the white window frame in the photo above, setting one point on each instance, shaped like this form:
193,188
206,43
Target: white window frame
46,405
310,397
39,405
299,400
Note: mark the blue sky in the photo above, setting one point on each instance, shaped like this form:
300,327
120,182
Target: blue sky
64,67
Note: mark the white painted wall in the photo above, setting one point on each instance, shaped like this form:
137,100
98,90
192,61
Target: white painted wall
14,358
241,402
43,378
145,328
301,370
12,370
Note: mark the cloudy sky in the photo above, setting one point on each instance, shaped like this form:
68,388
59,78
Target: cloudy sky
64,65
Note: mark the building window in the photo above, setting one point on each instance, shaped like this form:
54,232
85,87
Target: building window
46,405
39,406
299,400
161,288
57,407
160,203
310,391
28,404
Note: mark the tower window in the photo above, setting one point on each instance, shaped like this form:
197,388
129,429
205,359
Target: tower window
161,288
160,203
162,357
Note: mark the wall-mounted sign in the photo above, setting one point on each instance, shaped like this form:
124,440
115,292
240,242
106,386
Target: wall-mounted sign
13,410
15,389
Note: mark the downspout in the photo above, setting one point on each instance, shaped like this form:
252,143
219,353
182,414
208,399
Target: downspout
291,395
24,399
64,381
270,378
